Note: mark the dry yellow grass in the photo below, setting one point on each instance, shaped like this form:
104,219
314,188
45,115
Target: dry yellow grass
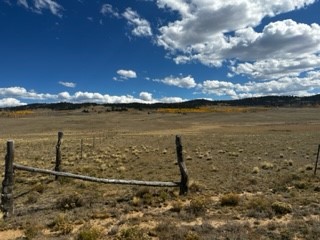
211,109
17,114
221,151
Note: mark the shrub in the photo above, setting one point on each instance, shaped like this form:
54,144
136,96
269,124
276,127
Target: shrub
177,206
70,202
281,208
266,165
259,207
62,224
230,199
255,170
196,187
197,207
31,230
301,184
33,198
192,236
89,232
309,167
132,233
169,230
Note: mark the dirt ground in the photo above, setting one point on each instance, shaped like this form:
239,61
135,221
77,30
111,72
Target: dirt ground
251,175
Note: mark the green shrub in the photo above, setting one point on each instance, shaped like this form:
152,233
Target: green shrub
88,232
132,233
281,208
259,207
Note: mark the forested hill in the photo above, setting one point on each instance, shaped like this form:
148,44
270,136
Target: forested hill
267,101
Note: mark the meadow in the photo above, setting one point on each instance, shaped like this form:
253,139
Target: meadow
251,174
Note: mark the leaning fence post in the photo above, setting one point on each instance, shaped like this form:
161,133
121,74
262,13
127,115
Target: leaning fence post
81,149
316,164
58,154
183,169
8,182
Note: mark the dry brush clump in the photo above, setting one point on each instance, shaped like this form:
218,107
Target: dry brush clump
89,232
70,202
198,206
281,208
133,233
230,199
148,197
259,207
32,230
62,224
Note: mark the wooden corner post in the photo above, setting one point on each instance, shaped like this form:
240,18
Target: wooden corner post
58,154
183,169
8,182
316,163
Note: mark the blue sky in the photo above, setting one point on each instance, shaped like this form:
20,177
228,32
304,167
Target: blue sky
157,51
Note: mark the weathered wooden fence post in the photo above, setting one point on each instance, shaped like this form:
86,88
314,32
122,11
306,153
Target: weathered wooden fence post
183,169
316,164
8,182
81,149
58,154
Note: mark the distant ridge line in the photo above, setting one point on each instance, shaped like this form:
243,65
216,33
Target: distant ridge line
265,101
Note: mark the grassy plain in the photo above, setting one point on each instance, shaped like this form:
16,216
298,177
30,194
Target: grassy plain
251,174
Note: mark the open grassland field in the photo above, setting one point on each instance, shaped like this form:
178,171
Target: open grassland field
251,174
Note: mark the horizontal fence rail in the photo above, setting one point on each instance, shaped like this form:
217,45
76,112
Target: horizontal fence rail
98,180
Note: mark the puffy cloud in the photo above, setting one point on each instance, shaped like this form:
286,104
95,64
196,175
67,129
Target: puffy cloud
14,92
68,84
141,27
283,39
182,82
298,86
107,9
213,32
276,68
64,96
197,18
172,100
125,74
10,102
145,96
12,97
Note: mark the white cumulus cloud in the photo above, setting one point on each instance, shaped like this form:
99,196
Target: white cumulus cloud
140,27
172,100
125,74
182,82
145,96
10,102
223,32
297,86
12,96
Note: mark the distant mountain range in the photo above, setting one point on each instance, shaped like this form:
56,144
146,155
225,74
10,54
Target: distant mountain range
267,101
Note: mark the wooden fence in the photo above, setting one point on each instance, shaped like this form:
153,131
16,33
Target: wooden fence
7,204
